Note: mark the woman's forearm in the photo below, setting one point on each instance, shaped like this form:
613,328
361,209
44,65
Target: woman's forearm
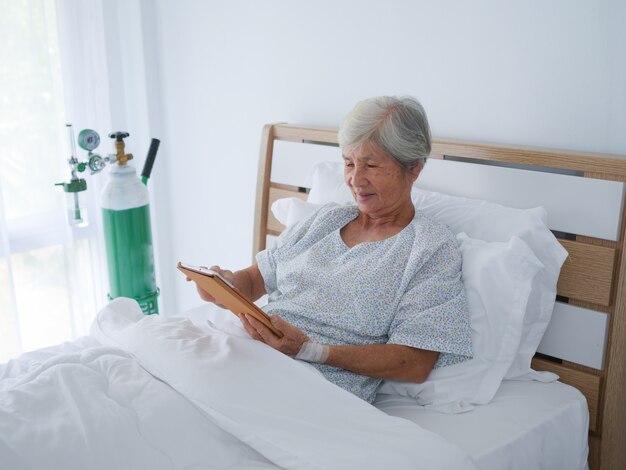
250,282
387,361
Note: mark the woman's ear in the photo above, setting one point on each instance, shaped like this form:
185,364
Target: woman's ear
415,171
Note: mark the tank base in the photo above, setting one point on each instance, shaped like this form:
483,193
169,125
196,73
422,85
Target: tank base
149,303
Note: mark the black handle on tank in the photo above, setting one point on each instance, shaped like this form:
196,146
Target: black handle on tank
152,151
119,135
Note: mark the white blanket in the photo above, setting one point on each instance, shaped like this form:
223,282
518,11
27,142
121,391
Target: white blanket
156,392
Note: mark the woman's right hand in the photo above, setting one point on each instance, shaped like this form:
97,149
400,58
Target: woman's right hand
248,281
225,273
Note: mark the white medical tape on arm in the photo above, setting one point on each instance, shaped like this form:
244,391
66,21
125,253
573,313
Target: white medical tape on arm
313,352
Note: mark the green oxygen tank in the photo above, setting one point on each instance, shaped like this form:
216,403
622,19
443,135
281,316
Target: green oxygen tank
127,233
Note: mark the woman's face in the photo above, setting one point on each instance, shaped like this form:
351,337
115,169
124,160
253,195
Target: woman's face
378,183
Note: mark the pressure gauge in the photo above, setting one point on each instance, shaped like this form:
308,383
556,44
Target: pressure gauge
96,163
88,139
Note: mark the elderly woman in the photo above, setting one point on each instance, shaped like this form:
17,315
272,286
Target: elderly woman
369,291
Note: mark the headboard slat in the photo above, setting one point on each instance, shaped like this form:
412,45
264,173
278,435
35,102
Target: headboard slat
300,134
279,193
571,201
576,334
293,162
587,273
599,164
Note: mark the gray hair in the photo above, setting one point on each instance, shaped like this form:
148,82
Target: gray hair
396,125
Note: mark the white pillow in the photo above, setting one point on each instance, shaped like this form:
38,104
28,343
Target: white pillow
485,221
328,184
493,222
290,210
497,277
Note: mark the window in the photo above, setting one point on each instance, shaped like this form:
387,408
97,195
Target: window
49,273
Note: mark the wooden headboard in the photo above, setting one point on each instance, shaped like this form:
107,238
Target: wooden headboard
586,341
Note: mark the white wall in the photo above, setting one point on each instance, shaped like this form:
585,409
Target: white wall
542,73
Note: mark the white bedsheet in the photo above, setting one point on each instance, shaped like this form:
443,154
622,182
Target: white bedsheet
528,425
155,392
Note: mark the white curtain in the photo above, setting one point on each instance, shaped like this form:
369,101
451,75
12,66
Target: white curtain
51,276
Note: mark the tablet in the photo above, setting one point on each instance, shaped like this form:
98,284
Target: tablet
226,294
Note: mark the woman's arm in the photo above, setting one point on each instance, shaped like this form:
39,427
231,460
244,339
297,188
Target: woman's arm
249,281
385,361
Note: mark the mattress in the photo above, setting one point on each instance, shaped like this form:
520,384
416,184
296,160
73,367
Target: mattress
528,425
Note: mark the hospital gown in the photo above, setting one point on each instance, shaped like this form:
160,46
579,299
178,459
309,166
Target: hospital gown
404,290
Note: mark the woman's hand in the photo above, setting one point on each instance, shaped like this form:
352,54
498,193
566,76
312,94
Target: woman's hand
248,281
226,274
289,344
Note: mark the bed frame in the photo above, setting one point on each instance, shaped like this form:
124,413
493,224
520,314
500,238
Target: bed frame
586,341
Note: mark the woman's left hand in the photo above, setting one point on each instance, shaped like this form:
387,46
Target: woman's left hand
289,344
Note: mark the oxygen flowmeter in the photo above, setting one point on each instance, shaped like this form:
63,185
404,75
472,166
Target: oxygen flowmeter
125,215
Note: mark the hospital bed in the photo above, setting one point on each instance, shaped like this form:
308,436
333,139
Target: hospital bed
191,391
585,341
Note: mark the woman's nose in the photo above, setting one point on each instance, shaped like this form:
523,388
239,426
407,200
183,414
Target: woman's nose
358,177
